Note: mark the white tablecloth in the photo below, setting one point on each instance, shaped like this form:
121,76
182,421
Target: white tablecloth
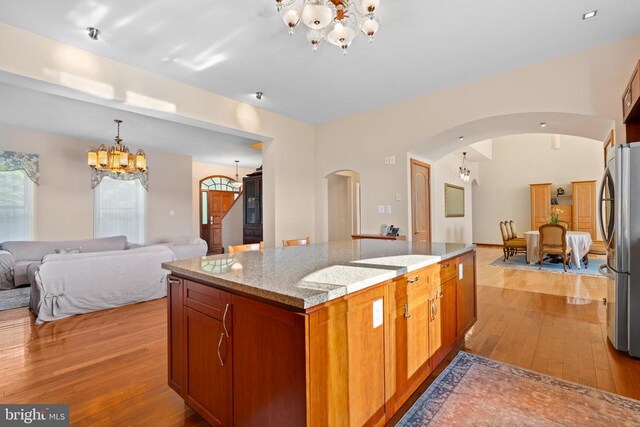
578,241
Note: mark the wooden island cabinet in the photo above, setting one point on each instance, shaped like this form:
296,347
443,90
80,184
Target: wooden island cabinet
352,361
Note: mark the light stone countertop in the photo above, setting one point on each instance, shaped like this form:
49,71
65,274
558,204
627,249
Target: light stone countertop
305,276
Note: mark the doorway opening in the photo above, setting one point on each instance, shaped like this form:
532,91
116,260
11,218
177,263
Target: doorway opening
343,204
217,196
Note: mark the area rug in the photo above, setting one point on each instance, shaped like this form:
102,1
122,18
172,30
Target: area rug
14,298
475,391
518,262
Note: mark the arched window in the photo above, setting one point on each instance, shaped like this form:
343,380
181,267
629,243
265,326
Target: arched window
219,183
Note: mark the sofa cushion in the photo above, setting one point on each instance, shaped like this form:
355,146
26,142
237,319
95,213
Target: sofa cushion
20,275
7,261
35,250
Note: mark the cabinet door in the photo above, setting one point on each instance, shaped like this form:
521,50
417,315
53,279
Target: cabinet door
448,315
208,368
269,378
466,294
175,333
251,201
584,207
435,326
411,343
540,205
347,360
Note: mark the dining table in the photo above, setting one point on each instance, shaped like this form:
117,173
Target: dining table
579,242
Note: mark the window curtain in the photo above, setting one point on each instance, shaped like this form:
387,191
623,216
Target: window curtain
98,175
29,163
120,209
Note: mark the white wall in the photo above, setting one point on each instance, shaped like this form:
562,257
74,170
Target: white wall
519,160
64,199
233,224
588,83
452,230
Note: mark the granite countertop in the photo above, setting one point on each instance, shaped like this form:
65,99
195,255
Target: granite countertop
305,276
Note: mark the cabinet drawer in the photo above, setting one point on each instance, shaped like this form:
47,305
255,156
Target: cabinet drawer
205,299
448,269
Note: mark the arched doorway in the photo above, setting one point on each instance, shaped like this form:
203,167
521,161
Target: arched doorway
218,194
343,190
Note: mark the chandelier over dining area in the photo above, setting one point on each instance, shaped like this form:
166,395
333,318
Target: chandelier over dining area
117,158
336,21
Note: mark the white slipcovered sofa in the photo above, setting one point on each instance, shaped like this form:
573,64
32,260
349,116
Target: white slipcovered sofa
106,273
67,284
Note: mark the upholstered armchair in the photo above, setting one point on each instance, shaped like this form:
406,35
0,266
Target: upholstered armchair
553,241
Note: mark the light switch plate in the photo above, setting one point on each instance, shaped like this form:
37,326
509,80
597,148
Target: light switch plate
380,208
398,197
378,313
460,271
387,160
172,213
392,160
387,208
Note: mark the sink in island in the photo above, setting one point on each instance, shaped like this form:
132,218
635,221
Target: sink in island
339,333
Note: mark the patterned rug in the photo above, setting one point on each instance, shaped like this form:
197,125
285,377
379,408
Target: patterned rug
14,298
474,391
518,262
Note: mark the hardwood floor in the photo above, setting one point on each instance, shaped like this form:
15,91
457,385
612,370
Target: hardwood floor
111,366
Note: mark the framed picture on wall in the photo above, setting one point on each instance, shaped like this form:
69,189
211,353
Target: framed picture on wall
453,201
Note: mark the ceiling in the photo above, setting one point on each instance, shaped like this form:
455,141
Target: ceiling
44,112
235,48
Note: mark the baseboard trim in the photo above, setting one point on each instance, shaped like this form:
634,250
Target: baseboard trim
488,245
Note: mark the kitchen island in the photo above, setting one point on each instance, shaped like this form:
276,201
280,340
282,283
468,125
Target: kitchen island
339,333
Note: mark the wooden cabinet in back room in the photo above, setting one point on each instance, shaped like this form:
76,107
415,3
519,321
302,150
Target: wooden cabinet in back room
584,207
252,199
540,205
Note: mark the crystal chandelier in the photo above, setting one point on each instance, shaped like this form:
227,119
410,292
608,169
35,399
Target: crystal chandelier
465,172
336,21
117,159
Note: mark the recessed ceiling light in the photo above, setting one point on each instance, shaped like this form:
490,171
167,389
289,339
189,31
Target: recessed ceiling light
94,33
543,125
591,14
259,95
461,138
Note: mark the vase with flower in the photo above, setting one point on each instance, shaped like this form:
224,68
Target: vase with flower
555,214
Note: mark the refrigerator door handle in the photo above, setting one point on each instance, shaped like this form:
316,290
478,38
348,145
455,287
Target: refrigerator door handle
603,227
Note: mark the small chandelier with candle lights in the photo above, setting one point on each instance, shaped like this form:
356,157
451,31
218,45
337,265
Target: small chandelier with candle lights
117,158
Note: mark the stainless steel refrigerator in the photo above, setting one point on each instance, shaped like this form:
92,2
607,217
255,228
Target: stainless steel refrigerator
620,227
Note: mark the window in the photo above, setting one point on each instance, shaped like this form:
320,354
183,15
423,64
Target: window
16,191
119,209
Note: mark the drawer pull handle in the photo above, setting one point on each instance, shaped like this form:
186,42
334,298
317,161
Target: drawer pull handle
414,280
219,345
445,266
406,311
627,98
224,320
173,281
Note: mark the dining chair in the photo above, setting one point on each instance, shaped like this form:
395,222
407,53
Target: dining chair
565,224
553,241
296,242
598,247
511,247
252,247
